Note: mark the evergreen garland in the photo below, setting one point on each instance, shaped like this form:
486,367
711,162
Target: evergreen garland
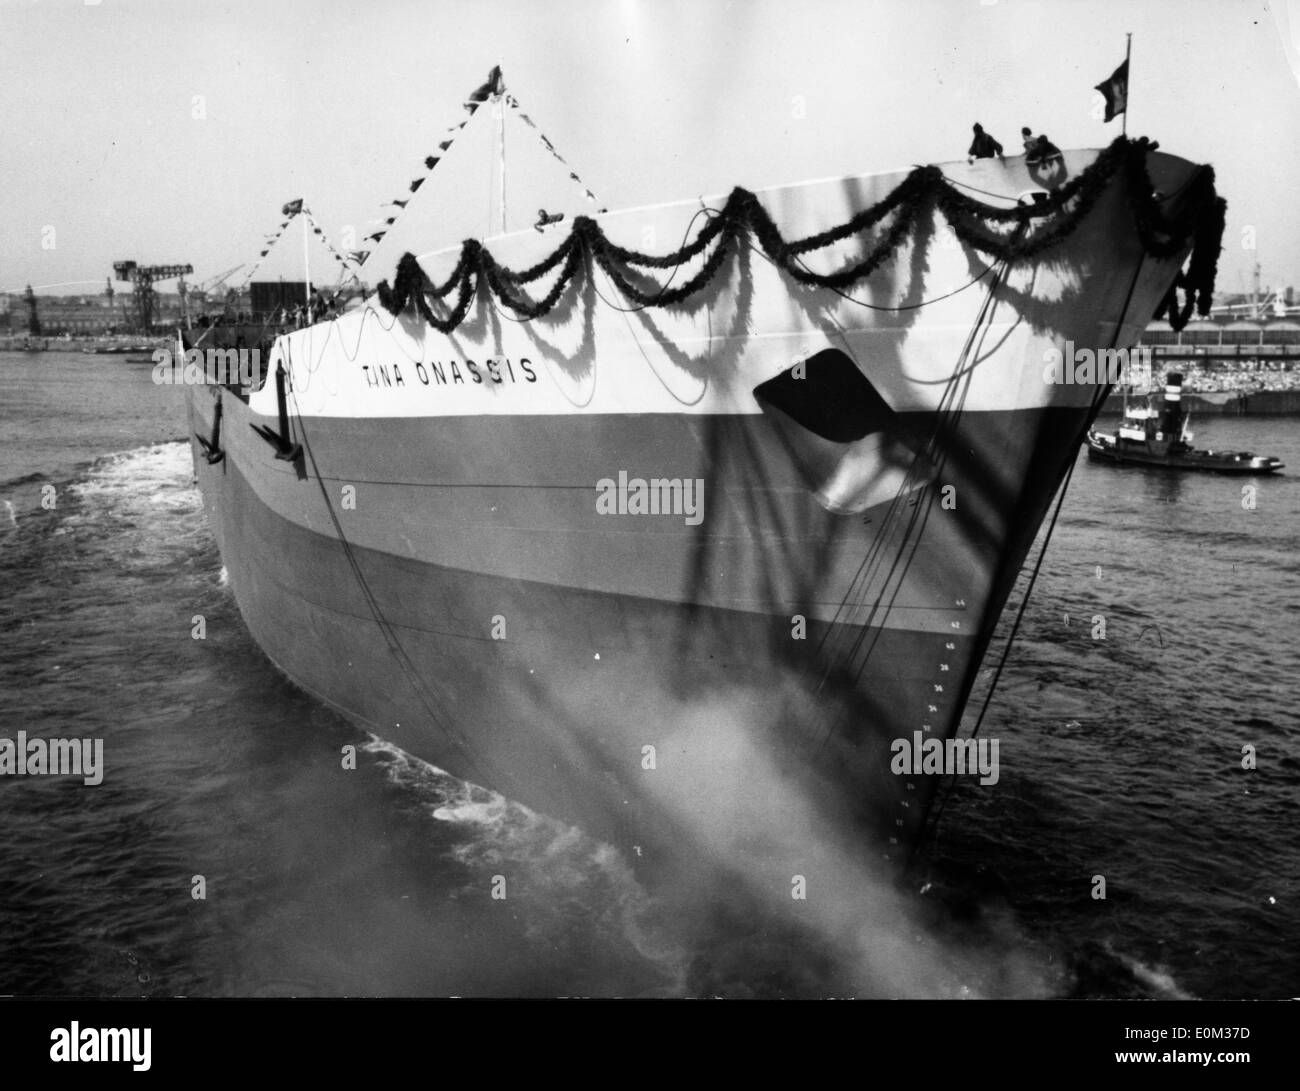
1202,221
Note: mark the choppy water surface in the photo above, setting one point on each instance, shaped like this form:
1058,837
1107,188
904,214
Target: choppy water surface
1119,757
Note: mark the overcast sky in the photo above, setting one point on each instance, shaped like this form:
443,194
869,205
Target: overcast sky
173,132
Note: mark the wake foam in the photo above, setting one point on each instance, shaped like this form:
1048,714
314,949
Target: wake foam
143,480
1159,981
563,870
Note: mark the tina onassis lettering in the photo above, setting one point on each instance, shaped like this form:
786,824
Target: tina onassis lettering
494,370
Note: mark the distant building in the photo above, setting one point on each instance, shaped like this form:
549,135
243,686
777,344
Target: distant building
84,315
1228,353
1227,337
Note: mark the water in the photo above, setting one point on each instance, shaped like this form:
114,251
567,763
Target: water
1124,755
1119,758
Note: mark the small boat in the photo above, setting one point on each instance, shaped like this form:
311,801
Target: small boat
1151,435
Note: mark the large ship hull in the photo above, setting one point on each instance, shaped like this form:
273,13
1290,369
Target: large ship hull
447,565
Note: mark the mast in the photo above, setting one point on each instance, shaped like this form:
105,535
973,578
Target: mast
500,107
306,269
1128,82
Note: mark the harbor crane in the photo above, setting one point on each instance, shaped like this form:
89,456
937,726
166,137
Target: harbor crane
143,277
200,292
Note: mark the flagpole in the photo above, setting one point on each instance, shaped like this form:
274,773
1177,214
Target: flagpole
501,105
306,268
1128,83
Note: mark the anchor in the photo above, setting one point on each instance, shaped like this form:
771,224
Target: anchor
212,451
285,449
851,448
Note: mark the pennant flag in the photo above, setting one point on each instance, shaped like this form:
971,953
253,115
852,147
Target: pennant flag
1115,92
513,103
493,86
430,161
292,208
419,181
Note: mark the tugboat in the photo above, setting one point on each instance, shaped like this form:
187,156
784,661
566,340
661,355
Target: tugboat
1159,436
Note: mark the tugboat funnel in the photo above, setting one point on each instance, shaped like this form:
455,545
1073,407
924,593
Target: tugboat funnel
1171,412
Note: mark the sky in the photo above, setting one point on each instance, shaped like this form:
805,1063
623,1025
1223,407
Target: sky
174,132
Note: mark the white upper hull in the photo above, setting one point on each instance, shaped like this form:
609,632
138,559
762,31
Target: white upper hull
597,353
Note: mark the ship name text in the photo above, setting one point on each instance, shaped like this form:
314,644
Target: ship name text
498,370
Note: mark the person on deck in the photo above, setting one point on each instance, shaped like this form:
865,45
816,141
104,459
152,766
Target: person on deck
1046,149
983,146
1038,149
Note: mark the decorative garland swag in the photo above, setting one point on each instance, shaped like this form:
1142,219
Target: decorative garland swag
1202,221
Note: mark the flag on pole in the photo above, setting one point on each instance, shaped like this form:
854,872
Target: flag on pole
294,207
1115,92
495,85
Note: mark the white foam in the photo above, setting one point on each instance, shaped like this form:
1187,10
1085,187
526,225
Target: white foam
1156,978
145,479
555,858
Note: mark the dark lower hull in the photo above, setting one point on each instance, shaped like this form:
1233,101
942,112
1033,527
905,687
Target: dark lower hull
558,712
550,687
